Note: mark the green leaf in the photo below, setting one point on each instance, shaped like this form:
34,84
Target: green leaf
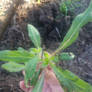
13,67
39,85
69,5
55,59
19,56
77,24
64,8
46,57
35,51
71,82
30,69
66,56
35,78
34,35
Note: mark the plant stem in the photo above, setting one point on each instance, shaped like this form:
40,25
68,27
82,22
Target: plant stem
56,52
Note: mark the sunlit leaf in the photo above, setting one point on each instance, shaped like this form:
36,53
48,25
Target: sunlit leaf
13,67
46,56
34,35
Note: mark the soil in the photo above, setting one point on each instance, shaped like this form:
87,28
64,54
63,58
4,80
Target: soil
9,82
53,26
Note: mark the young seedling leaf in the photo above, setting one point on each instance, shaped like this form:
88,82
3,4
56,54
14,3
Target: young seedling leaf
77,24
46,57
35,51
34,35
19,56
66,56
55,59
64,8
39,86
30,69
71,82
13,67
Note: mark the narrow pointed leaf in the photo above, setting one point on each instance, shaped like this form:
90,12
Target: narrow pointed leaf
13,67
34,35
77,24
30,69
70,81
39,85
35,78
19,56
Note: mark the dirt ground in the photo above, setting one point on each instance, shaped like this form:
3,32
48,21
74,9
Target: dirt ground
47,19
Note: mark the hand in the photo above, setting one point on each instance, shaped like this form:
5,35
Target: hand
51,84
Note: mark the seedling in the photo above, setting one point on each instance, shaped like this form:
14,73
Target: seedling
69,5
35,60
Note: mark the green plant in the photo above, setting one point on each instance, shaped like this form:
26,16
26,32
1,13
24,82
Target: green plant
68,5
29,60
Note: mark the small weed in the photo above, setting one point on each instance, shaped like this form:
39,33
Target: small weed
69,5
35,60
